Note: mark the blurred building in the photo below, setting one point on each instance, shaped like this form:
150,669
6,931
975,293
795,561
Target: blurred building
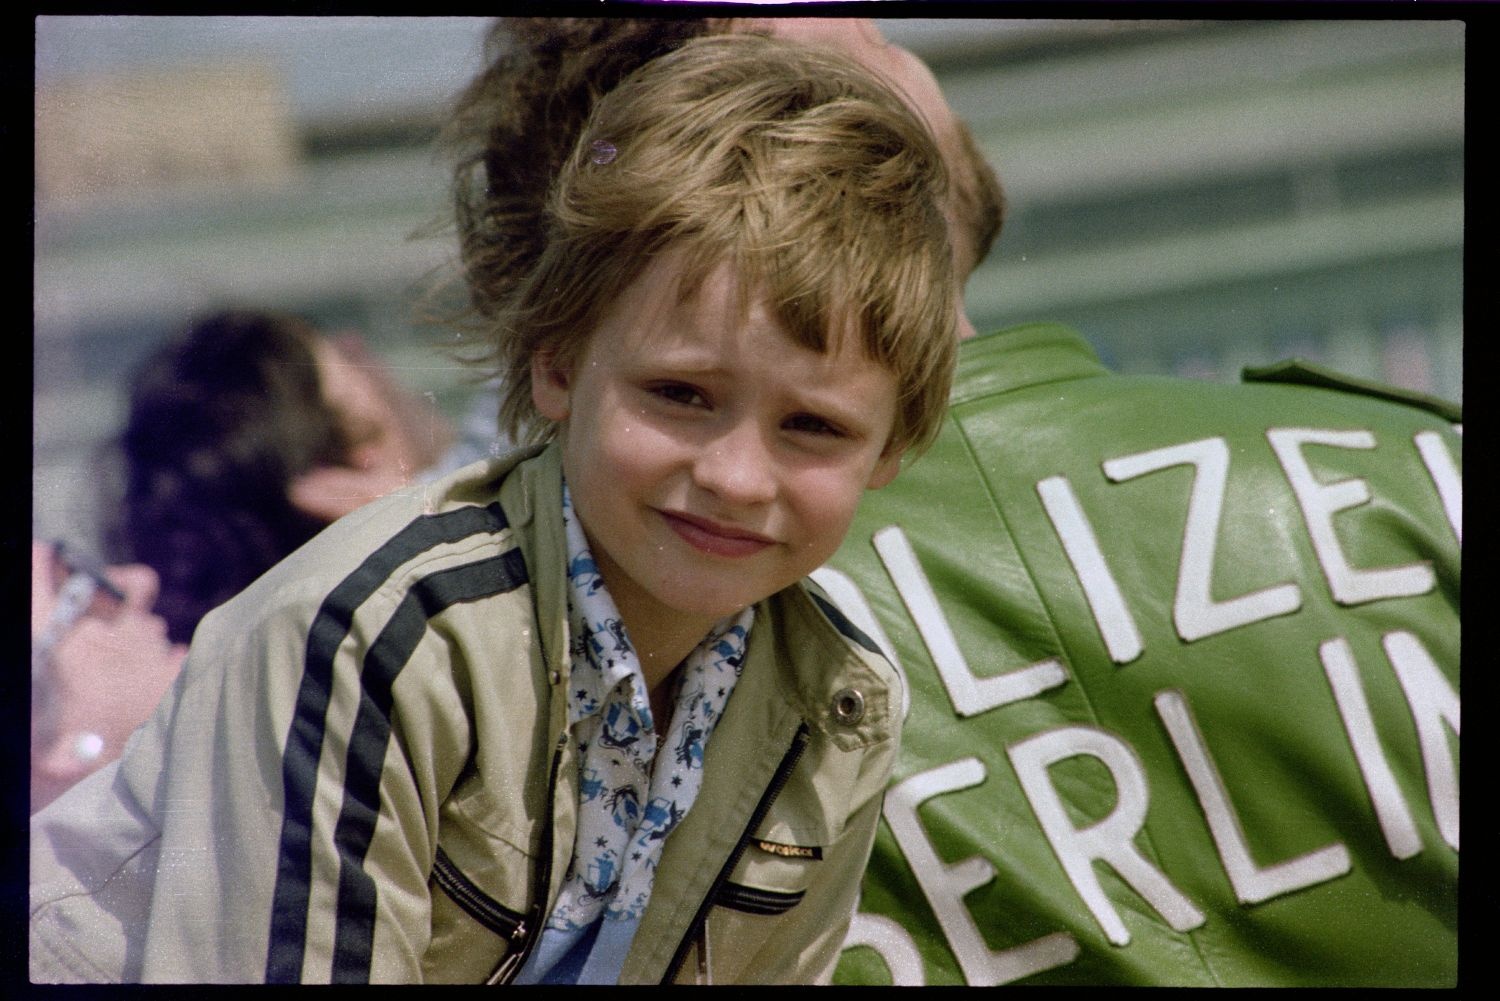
1197,197
1193,196
160,132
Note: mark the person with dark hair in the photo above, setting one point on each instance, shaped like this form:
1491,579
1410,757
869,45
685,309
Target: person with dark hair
247,434
1183,657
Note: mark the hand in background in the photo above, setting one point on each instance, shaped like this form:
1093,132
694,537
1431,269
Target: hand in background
394,433
105,674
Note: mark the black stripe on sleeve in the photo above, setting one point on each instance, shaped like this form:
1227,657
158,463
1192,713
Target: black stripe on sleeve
304,742
842,624
355,930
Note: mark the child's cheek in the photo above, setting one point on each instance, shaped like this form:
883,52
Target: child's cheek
824,504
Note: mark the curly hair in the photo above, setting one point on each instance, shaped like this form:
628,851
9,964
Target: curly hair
222,417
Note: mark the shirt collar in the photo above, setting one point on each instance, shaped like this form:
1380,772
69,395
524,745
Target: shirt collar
601,653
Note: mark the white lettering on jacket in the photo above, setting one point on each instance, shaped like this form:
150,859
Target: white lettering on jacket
1433,704
944,885
1195,613
1444,473
1121,637
892,943
1391,811
1111,839
1431,699
969,694
1321,501
1252,883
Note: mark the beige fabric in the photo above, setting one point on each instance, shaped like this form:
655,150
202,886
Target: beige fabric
164,866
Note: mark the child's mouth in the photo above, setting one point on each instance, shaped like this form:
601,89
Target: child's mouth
716,539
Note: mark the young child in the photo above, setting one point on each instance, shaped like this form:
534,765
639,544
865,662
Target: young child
573,715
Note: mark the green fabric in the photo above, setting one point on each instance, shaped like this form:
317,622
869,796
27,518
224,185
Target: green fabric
1033,404
1298,371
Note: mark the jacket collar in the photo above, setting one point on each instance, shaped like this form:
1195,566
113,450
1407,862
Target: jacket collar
799,654
532,498
1018,357
817,664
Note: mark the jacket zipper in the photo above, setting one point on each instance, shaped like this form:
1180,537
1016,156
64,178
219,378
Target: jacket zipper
753,901
705,976
528,929
697,930
476,903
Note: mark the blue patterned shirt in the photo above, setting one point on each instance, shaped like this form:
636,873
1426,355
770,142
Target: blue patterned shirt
629,796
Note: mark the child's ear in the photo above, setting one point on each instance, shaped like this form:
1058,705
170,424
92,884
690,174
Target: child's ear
886,468
551,385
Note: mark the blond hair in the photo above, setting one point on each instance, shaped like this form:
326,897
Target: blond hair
797,165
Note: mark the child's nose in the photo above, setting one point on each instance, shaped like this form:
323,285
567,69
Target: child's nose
737,467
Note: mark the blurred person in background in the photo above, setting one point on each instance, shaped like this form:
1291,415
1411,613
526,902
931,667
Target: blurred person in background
1183,657
248,433
100,661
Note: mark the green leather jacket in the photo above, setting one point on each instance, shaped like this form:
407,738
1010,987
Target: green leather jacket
362,774
1183,661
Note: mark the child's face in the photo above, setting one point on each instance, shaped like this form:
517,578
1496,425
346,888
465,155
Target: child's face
712,461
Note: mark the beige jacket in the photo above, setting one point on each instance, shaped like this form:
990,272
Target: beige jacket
363,774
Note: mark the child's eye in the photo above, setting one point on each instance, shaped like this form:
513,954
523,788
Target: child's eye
812,424
676,392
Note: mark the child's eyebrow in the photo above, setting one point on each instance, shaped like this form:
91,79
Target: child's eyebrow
817,399
685,357
685,362
839,405
852,415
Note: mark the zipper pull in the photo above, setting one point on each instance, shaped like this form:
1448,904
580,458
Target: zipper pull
510,965
704,976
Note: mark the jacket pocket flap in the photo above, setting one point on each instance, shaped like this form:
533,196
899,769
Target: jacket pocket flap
751,900
771,876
